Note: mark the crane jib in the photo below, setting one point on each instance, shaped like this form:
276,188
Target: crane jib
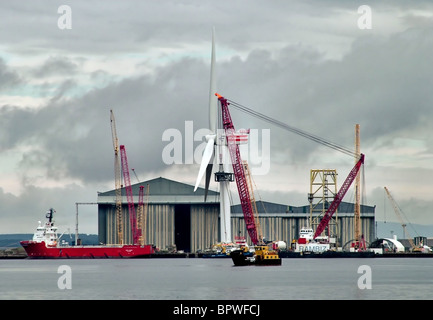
339,197
136,233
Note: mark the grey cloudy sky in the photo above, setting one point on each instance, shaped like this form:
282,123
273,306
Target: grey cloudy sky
306,63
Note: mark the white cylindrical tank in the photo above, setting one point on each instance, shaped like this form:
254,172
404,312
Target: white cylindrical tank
279,245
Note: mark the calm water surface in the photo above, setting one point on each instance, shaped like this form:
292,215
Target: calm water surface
217,279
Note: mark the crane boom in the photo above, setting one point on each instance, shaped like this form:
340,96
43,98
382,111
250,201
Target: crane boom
140,213
146,208
132,216
117,179
339,197
399,216
244,195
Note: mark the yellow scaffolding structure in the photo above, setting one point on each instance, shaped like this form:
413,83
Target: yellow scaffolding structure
323,188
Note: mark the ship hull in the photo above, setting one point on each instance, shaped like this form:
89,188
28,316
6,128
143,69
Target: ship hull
38,250
241,258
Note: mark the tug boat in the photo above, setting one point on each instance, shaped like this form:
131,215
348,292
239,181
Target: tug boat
261,256
45,244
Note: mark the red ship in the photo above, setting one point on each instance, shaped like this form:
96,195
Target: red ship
45,244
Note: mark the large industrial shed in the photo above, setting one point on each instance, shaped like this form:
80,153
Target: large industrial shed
176,215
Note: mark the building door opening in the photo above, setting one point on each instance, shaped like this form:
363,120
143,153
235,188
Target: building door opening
182,227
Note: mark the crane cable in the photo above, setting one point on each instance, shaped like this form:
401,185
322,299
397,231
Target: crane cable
293,129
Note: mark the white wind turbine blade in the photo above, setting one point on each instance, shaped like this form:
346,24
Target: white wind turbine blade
206,164
213,100
208,176
207,155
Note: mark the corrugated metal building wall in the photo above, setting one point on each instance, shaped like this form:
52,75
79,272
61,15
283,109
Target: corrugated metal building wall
204,226
276,227
159,227
178,216
281,222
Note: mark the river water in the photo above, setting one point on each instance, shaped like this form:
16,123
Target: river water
217,279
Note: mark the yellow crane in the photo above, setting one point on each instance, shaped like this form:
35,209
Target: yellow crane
399,216
142,213
117,180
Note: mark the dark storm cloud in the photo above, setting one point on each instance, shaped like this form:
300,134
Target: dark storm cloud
62,66
8,78
386,96
72,138
17,126
383,84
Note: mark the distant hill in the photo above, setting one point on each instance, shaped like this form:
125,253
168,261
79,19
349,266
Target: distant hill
13,240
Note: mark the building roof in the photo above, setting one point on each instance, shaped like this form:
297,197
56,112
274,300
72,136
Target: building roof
163,190
162,186
266,207
272,208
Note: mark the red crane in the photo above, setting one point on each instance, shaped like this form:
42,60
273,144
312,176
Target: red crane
339,197
132,216
238,170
